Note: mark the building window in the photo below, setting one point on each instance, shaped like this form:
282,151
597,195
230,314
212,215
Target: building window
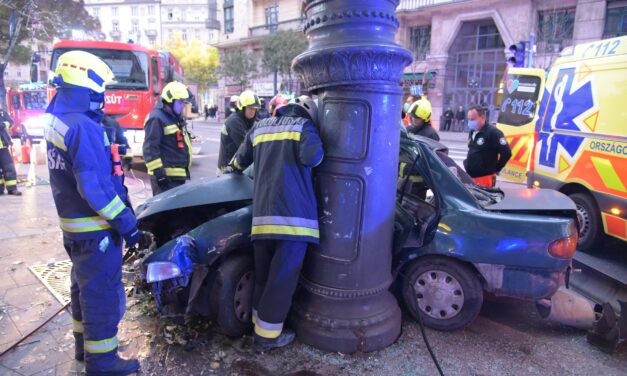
615,22
96,12
152,41
6,73
19,73
114,11
151,10
420,41
115,26
197,34
488,38
134,12
228,16
555,30
184,34
135,27
272,17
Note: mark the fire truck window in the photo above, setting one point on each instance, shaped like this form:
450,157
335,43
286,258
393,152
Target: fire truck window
155,76
35,100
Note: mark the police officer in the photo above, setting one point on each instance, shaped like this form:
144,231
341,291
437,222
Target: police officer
167,147
92,209
8,176
488,150
236,126
420,115
284,149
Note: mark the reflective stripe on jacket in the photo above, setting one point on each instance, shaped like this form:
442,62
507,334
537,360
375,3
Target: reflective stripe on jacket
284,149
167,145
88,198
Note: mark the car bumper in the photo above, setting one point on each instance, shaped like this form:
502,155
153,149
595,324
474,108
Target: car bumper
530,284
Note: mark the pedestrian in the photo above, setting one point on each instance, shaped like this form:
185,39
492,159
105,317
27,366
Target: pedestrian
236,127
8,175
206,111
93,210
448,119
167,147
488,150
284,150
405,115
460,117
420,114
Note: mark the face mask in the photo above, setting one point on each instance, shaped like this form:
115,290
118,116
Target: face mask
178,107
473,125
406,107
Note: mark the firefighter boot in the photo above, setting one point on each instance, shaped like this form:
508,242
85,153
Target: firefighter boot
79,349
14,192
109,364
263,345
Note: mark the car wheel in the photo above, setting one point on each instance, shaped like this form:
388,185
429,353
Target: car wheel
589,219
232,295
444,292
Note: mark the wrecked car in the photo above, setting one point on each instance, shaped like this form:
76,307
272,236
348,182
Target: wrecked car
453,241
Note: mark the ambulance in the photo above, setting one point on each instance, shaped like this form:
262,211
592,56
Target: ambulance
567,129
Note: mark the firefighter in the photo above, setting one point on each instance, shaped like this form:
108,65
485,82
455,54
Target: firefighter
420,114
488,150
167,147
92,208
8,176
284,150
236,126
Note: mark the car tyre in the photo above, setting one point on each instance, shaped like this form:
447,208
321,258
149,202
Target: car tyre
457,288
589,218
231,296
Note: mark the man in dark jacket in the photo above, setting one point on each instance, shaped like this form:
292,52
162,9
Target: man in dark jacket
167,148
8,175
93,210
284,149
420,114
460,116
236,126
488,150
448,119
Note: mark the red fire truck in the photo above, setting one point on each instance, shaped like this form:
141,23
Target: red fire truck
140,74
25,104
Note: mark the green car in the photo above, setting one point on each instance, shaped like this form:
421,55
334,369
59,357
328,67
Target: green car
453,241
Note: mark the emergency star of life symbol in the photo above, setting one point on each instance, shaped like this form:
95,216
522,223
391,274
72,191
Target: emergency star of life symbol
568,105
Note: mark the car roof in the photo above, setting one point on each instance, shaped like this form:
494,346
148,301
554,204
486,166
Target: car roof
428,142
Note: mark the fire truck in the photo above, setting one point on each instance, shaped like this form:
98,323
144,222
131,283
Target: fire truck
140,74
25,104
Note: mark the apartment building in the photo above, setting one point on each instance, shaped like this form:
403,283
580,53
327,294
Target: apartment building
193,19
461,46
124,20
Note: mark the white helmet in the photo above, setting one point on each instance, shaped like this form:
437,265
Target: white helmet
308,104
234,98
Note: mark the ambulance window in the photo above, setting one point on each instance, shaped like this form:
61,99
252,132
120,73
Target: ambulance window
520,95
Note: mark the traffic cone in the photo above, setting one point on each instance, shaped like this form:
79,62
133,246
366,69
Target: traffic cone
26,151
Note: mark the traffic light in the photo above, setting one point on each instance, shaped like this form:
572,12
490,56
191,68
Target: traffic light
518,50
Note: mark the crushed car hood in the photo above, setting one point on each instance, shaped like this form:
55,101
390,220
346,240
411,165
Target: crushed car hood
532,200
227,188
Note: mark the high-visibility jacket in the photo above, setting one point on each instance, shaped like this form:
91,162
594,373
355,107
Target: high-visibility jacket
284,150
90,201
5,124
167,145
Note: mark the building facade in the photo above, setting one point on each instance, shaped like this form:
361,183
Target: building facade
189,18
461,47
244,24
124,20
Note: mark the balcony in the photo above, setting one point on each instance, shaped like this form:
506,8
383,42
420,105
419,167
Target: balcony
212,24
263,30
151,32
408,5
115,34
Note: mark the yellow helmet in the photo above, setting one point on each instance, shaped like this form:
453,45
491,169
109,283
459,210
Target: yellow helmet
80,68
173,91
248,98
421,109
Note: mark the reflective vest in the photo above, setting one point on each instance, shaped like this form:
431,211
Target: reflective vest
167,145
5,125
284,149
90,201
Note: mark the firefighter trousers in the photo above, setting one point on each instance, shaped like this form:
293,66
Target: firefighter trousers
8,176
277,269
165,186
98,299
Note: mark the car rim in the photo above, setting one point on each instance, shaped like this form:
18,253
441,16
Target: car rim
584,221
439,294
243,297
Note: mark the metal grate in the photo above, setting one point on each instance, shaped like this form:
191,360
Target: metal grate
56,278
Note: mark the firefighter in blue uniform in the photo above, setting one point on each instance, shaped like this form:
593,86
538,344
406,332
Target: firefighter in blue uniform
284,150
167,148
8,176
92,208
